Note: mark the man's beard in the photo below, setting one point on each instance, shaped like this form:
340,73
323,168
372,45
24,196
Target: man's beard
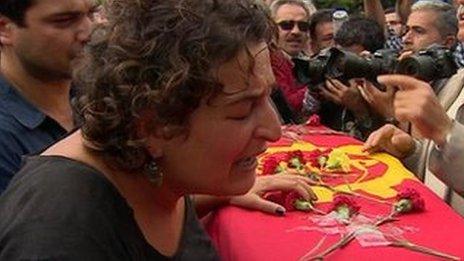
44,73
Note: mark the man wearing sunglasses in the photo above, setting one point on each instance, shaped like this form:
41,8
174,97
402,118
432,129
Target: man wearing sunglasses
292,18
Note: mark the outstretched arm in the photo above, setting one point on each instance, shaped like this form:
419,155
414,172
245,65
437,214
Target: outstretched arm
446,162
403,8
416,102
374,10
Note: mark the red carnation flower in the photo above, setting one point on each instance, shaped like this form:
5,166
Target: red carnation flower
315,155
275,196
345,206
270,165
409,200
296,154
314,121
291,201
295,159
294,201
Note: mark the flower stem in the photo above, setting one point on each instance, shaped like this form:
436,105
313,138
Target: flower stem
422,249
398,243
347,238
318,211
318,245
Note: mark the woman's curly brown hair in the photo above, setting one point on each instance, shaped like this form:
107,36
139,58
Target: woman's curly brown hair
158,55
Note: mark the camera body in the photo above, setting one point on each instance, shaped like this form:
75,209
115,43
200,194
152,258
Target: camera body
435,62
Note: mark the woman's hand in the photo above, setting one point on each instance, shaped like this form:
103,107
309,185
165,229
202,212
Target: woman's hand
253,199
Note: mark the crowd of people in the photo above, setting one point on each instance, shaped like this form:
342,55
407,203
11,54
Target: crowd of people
341,105
377,110
122,122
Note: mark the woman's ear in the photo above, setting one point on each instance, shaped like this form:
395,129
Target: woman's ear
157,137
151,133
154,142
155,150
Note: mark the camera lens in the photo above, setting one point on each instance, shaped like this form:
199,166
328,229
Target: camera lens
420,67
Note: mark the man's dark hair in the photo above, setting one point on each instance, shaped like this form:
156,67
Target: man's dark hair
362,31
15,9
320,16
390,10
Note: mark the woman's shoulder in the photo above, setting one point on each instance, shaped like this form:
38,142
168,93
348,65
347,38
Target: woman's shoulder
48,187
57,184
57,201
50,176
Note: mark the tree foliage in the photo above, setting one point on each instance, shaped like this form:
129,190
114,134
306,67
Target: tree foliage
353,6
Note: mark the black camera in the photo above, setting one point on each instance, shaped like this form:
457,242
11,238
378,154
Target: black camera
435,62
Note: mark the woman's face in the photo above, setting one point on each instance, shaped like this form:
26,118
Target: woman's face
227,133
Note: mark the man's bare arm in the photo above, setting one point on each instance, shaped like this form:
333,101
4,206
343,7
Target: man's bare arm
374,10
403,9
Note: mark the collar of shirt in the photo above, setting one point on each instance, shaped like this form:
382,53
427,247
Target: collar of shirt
19,107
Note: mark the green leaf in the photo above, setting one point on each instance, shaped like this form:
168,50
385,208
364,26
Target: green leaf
343,212
337,159
279,169
303,205
294,162
322,160
333,164
403,206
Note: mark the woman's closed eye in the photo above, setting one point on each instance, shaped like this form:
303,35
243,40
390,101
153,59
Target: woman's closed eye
240,111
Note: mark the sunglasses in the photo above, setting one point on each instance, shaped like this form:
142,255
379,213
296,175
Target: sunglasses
288,25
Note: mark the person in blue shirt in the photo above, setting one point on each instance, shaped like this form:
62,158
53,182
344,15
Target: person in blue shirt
41,41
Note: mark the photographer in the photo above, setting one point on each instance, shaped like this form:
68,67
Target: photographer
321,30
443,129
435,65
429,23
342,106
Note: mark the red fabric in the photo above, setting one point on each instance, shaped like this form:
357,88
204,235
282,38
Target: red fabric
243,235
329,140
283,72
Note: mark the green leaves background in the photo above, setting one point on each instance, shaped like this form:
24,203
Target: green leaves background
354,6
